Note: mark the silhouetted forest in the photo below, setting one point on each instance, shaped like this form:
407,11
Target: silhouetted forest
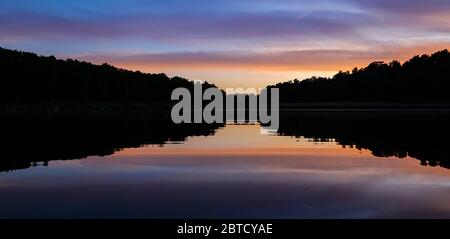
422,79
29,78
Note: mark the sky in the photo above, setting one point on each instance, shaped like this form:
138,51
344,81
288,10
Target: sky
231,43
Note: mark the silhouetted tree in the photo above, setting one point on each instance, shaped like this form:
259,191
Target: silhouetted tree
27,78
423,79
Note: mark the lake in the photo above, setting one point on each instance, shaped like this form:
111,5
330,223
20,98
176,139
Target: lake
312,167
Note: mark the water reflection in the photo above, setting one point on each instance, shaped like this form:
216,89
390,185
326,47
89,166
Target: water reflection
230,172
35,142
31,142
423,136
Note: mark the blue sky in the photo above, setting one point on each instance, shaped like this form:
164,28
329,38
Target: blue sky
228,42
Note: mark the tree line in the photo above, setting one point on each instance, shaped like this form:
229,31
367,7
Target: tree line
424,79
29,78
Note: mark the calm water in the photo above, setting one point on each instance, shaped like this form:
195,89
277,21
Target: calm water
232,171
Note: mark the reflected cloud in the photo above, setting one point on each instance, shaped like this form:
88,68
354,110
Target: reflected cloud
250,175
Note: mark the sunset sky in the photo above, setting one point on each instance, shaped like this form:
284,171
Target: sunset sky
232,43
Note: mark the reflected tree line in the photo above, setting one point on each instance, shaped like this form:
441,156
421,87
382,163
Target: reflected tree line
423,136
28,142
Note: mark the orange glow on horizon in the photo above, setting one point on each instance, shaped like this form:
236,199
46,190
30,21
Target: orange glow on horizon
262,69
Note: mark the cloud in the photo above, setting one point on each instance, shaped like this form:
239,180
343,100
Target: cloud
208,36
253,24
307,60
404,7
419,16
233,25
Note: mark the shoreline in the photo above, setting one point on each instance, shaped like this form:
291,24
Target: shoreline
162,110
